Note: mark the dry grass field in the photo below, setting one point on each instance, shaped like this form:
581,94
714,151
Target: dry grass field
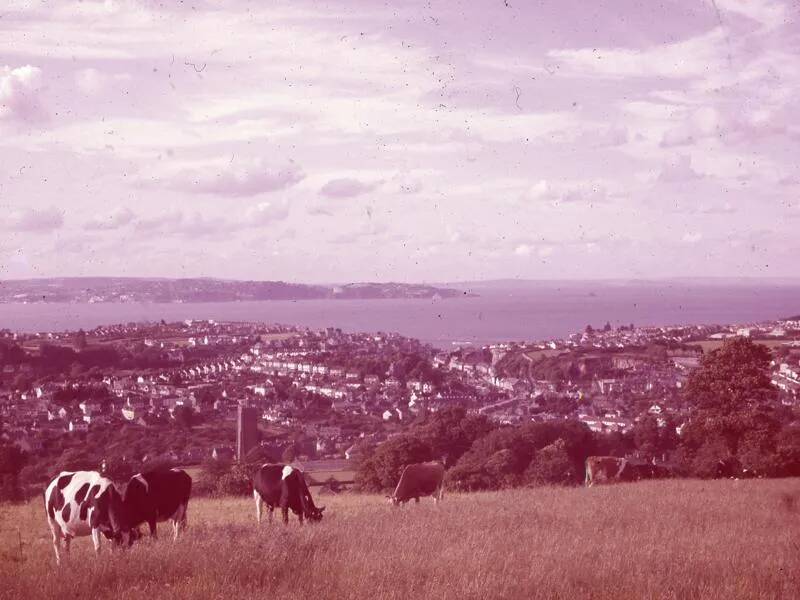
660,539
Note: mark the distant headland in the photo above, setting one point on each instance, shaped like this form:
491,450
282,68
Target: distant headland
137,289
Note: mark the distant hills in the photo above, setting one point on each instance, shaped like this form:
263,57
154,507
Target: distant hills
134,289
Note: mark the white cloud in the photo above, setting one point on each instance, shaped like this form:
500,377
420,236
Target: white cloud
693,57
19,93
692,237
117,218
678,170
267,212
568,192
35,220
236,179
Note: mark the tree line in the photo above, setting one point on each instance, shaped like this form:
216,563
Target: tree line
735,426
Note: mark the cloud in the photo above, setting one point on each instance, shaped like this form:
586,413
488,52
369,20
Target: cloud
89,81
767,13
693,57
177,222
29,219
586,192
237,181
165,222
345,188
678,170
700,124
542,251
267,212
368,229
19,93
692,237
118,218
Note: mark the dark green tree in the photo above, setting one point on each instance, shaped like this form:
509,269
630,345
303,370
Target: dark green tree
382,470
735,417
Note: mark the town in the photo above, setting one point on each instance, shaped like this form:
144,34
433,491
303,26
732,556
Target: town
148,391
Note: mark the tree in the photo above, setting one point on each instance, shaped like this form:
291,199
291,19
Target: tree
551,466
79,340
450,432
12,459
732,378
22,382
734,418
184,416
654,439
289,454
382,470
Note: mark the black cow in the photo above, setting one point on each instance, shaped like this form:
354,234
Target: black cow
284,486
85,503
158,495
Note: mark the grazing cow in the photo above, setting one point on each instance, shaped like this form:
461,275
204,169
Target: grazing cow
284,486
85,503
421,479
603,469
158,495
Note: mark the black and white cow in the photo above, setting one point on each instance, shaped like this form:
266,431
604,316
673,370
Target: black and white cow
284,486
421,479
85,503
158,495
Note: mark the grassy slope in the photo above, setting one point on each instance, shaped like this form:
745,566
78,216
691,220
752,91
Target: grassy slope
665,539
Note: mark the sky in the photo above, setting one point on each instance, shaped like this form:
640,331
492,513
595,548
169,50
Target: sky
400,141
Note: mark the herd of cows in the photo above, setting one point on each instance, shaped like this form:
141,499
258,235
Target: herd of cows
84,503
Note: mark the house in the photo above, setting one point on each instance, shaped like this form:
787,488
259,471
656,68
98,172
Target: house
77,426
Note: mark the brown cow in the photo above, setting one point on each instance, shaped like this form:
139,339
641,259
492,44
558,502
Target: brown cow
421,479
603,469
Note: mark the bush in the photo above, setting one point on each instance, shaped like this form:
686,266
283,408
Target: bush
382,470
236,482
552,466
501,458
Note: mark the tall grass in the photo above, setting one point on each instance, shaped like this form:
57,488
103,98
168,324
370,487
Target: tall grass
660,539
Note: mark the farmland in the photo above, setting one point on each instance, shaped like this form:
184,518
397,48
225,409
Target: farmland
660,539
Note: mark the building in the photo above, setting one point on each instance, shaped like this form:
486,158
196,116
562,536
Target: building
246,431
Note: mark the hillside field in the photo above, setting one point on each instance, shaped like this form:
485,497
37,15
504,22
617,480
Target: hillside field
660,539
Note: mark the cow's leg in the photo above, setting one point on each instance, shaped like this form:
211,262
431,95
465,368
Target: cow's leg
285,514
96,540
416,500
56,540
179,521
271,512
153,525
67,542
257,498
300,517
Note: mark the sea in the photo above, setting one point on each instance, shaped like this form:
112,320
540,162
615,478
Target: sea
493,313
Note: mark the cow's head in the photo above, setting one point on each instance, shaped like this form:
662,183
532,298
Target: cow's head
113,518
314,514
